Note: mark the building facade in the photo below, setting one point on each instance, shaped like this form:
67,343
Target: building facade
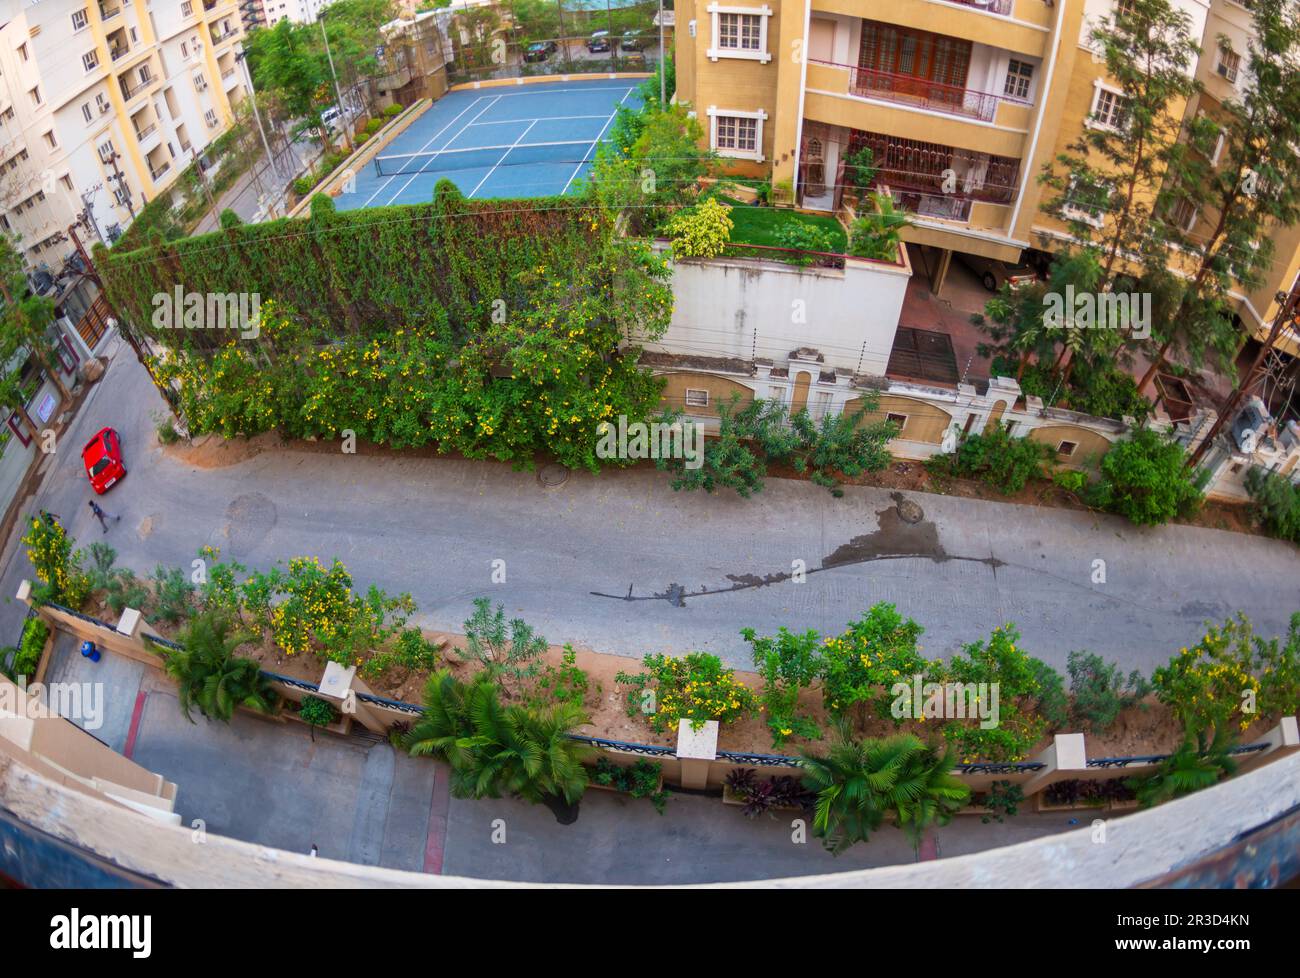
102,105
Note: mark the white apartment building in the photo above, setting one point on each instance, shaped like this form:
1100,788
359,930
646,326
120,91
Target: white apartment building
103,103
299,11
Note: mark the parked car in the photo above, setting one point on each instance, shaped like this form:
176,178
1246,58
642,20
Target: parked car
102,457
540,50
993,273
599,41
632,41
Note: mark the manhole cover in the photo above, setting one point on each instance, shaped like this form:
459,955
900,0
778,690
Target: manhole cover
552,475
250,518
909,512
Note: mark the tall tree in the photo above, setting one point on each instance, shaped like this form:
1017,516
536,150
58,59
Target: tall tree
25,319
1254,189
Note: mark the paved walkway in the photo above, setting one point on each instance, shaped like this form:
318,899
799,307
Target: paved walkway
360,800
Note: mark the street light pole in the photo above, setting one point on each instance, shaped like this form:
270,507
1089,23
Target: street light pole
337,94
242,58
663,77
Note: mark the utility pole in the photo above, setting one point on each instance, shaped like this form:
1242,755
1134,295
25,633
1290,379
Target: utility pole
242,58
338,95
1286,313
663,76
120,180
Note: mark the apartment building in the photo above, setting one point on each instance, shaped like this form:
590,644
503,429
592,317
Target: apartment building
298,11
102,105
253,15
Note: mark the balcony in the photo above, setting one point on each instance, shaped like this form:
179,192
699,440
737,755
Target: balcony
226,36
157,171
146,132
922,93
130,91
108,12
1001,7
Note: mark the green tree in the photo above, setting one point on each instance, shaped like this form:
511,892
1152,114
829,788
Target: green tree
208,674
507,651
1145,480
25,322
495,750
861,784
1101,691
1195,765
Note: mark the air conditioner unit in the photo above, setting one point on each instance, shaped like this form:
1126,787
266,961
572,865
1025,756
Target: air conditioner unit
105,108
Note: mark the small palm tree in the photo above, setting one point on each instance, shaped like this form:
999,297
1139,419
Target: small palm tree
495,750
860,784
1195,765
211,678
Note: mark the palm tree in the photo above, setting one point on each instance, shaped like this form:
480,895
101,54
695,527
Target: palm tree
1195,765
859,784
211,678
495,750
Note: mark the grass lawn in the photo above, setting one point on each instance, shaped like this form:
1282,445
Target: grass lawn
758,225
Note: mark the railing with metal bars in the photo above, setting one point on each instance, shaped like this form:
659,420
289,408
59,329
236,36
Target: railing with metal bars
923,93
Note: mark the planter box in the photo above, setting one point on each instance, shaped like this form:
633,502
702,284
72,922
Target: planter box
729,797
1044,806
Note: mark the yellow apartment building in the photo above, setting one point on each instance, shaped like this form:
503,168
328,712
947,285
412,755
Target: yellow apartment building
962,103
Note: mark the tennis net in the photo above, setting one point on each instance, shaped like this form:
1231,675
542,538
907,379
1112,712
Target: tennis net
483,157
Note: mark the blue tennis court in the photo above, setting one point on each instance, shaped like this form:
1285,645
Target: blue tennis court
513,141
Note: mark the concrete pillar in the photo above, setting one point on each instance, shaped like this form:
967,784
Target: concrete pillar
339,687
696,750
1066,758
941,271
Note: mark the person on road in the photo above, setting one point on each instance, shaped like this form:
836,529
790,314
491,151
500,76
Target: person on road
101,515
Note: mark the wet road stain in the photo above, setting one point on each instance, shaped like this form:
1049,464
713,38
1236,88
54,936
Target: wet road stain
902,534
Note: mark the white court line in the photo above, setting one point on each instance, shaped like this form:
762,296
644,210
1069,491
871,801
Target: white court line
562,91
545,118
431,139
599,136
503,156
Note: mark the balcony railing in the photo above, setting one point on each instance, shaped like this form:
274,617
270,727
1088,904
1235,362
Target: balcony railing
117,53
218,38
147,131
227,72
922,93
108,13
157,171
131,91
1002,7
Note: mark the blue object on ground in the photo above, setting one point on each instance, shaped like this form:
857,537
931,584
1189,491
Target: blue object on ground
88,650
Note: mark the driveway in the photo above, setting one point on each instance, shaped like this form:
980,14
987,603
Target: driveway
621,564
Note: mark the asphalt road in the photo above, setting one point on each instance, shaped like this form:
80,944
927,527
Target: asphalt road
622,564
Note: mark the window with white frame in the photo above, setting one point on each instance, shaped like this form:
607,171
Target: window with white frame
1182,214
87,112
102,103
1109,109
106,151
187,8
1229,62
1019,75
696,397
739,32
737,134
210,118
90,60
1086,202
79,19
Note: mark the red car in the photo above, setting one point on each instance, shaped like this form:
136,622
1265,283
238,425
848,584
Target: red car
103,460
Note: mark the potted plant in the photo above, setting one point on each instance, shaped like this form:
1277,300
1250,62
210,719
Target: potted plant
643,779
760,796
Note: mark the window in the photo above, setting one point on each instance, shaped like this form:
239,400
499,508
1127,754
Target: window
35,95
79,20
146,75
90,60
122,194
106,150
210,118
1229,62
22,50
1066,448
87,112
1124,8
200,83
102,103
1183,214
67,182
50,141
1109,110
185,51
1086,202
737,134
739,32
696,397
897,419
1018,75
187,8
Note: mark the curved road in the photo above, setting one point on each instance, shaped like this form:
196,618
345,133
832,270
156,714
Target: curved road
622,564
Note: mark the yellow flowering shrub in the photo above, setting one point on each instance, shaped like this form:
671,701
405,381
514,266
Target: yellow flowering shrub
695,687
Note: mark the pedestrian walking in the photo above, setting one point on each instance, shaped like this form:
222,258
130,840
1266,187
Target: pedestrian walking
102,516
